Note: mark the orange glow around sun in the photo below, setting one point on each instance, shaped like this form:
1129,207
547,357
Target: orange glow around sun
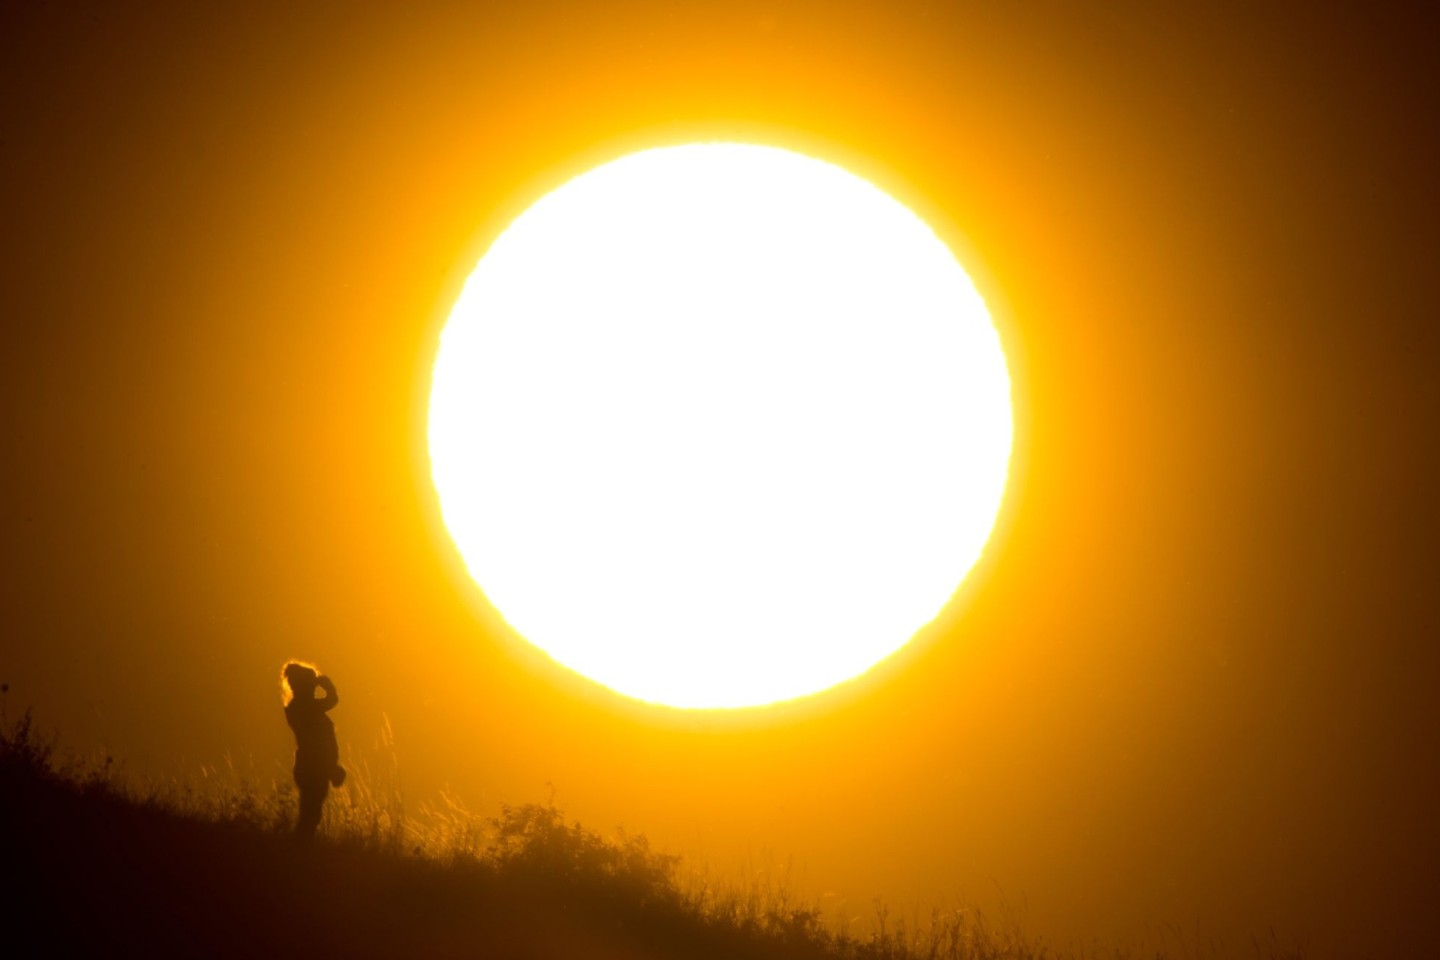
719,425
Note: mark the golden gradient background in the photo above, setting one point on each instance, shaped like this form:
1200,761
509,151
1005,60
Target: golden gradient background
1192,681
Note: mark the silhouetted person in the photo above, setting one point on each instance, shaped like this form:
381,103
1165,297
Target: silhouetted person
317,757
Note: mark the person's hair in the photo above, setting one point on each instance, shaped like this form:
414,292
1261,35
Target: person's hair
291,674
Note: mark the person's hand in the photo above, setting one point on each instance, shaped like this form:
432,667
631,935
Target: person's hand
325,683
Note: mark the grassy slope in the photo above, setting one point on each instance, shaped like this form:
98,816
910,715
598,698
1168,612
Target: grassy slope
92,870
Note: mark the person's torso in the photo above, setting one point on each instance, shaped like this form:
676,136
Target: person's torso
314,735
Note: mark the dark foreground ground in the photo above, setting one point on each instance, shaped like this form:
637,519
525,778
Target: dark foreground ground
93,869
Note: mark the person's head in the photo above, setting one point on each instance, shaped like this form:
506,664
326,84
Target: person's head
297,679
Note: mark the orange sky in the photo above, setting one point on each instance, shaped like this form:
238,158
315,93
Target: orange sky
1190,682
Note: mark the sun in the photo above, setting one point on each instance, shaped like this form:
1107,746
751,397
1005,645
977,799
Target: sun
718,425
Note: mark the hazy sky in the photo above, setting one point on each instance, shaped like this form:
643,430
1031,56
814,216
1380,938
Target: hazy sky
1192,681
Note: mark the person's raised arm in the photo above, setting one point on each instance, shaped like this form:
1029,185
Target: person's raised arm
331,698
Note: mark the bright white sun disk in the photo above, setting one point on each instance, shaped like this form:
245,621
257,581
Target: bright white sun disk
719,425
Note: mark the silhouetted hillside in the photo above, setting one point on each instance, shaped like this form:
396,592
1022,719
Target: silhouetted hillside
93,870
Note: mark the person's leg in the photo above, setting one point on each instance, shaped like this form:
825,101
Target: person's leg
312,804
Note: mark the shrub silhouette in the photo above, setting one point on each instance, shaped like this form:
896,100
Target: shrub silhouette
533,840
